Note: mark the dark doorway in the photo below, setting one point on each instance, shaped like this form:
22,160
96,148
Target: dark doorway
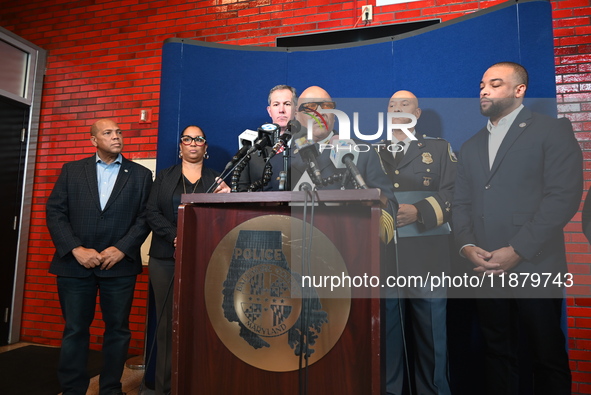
13,143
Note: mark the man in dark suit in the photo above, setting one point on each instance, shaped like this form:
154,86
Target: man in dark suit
368,164
425,170
96,218
519,183
310,103
282,100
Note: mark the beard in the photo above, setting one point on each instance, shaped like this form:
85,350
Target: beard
496,107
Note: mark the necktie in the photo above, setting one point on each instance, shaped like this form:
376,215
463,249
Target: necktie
399,153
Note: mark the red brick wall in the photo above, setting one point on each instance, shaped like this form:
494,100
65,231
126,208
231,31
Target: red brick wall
104,59
572,32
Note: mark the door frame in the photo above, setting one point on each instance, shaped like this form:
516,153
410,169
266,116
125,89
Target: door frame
32,98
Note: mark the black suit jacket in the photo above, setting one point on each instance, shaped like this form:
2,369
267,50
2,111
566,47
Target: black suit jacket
75,218
253,171
532,191
368,164
161,212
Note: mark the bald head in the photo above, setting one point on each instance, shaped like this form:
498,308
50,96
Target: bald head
106,136
403,101
314,92
101,124
408,95
322,124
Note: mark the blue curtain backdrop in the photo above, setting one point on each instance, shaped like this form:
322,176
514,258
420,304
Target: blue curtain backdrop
224,88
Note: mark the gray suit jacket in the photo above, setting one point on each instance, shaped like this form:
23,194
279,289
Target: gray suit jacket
75,218
532,191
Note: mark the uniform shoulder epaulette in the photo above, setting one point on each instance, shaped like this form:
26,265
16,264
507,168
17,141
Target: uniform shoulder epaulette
432,138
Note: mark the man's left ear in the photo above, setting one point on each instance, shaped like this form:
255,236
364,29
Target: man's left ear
93,140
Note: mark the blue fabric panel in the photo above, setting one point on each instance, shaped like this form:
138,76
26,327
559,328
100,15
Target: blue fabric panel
357,71
223,91
170,90
537,54
449,61
224,88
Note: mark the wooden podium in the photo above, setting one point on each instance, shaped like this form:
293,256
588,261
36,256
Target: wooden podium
201,362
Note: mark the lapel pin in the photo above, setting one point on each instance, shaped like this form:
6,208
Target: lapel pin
522,124
125,170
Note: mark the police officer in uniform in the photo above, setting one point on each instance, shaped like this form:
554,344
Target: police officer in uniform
426,166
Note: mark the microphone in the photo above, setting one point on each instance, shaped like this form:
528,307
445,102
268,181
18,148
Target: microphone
293,126
304,183
245,140
343,154
269,128
247,137
280,144
265,132
309,152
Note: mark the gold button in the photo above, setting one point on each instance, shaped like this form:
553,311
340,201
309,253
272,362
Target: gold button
396,185
428,170
396,171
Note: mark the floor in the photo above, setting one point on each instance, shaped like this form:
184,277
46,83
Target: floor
131,380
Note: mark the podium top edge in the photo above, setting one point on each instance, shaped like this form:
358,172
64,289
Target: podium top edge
333,196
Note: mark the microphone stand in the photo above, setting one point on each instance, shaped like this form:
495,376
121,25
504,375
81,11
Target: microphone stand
287,185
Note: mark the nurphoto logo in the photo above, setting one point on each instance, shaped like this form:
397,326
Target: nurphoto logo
345,125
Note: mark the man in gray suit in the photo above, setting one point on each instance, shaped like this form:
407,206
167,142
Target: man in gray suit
519,182
96,218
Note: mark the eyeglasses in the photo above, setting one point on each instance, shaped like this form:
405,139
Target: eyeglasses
188,140
313,106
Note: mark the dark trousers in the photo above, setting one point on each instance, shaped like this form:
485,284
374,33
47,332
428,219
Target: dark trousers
78,301
161,276
539,319
427,312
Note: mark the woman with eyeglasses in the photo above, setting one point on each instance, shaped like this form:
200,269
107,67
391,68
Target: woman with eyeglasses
189,176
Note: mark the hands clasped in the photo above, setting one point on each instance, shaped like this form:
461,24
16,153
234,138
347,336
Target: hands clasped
496,262
91,258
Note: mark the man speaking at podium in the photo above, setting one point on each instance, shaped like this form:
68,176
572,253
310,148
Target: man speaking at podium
311,102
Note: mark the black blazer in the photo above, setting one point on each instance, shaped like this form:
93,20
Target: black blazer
160,209
75,218
368,165
532,191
